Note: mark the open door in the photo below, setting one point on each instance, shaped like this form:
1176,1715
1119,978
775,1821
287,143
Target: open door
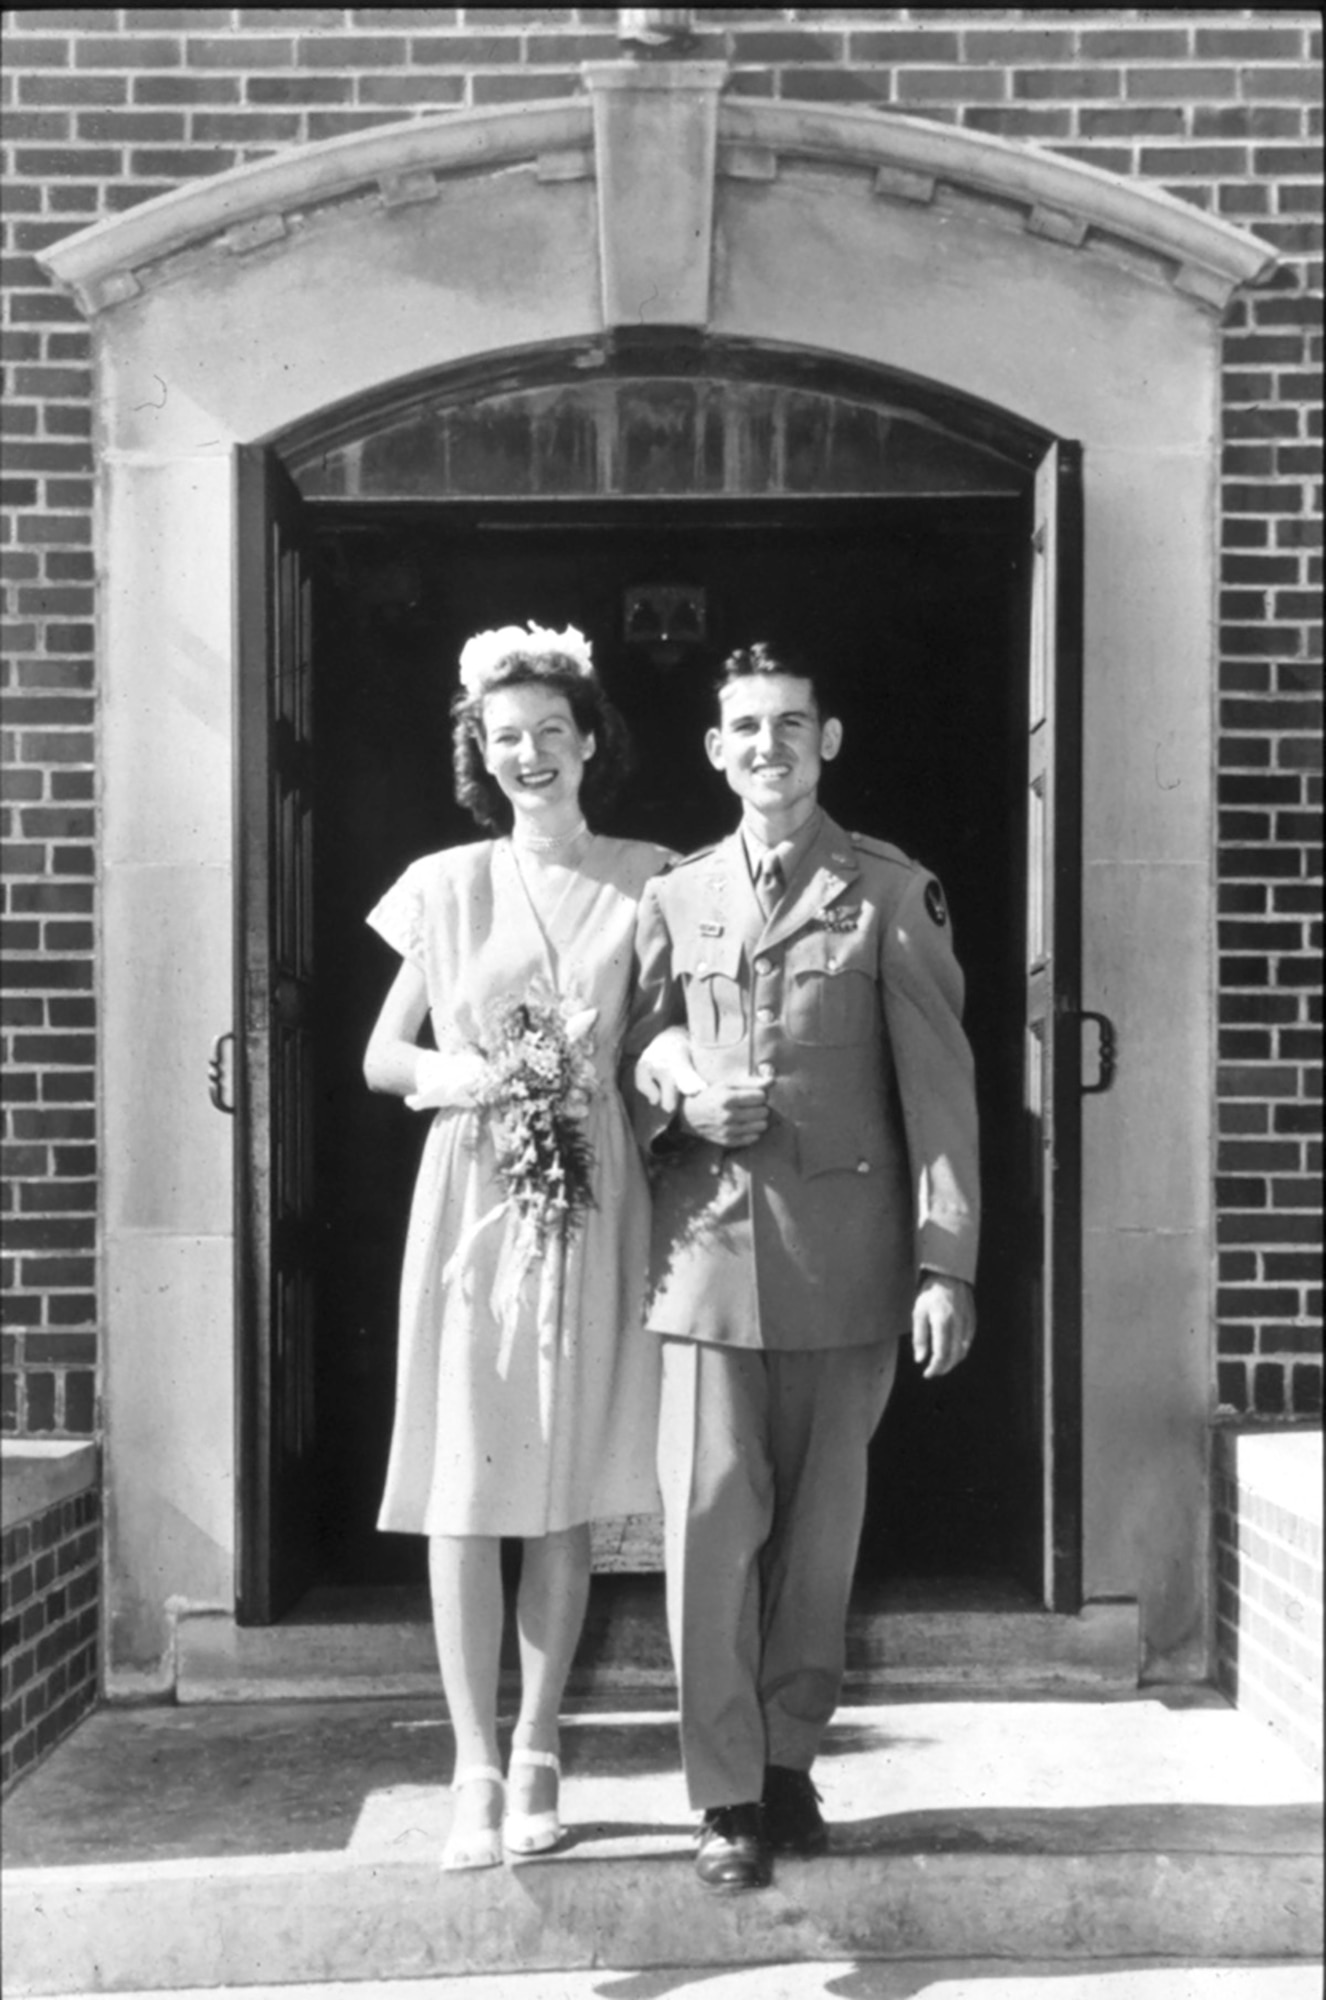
1053,1084
274,1083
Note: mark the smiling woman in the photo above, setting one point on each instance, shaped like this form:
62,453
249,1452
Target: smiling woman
526,1400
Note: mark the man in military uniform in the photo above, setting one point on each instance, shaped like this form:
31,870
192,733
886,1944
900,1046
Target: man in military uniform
815,1197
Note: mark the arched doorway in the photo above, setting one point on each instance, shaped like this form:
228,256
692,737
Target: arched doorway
889,529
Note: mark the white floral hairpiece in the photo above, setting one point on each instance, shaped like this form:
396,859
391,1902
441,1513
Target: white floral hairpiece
482,655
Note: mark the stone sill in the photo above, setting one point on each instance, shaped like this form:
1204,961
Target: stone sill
1283,1467
40,1472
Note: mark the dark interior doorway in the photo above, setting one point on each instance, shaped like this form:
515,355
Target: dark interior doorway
920,604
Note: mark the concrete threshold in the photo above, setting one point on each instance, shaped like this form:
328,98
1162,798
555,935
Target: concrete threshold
347,1643
272,1843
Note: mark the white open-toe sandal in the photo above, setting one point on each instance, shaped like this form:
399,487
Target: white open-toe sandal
482,1849
533,1833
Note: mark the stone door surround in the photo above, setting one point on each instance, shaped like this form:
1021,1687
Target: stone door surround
267,301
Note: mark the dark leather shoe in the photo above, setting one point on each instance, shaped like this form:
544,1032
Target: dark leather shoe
792,1817
733,1852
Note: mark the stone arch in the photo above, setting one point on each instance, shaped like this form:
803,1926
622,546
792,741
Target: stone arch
255,306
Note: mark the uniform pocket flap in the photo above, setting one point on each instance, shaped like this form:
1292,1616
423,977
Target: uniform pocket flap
701,956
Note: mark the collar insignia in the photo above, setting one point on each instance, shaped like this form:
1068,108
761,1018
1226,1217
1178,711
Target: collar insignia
845,919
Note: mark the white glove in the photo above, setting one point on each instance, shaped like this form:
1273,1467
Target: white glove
446,1082
665,1073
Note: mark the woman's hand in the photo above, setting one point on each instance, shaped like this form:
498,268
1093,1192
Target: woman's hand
665,1073
446,1082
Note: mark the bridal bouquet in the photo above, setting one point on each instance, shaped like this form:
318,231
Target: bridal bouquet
536,1087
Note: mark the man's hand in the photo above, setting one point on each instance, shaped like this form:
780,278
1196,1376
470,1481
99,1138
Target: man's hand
943,1324
727,1114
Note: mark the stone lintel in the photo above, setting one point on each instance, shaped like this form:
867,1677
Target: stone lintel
657,127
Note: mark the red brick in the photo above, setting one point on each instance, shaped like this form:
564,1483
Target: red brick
347,52
182,163
245,128
242,52
1250,44
1245,121
509,89
292,17
1019,121
40,127
186,89
50,162
1018,45
177,20
1302,83
1131,121
126,127
961,86
1177,85
128,52
38,52
70,89
903,45
301,90
449,51
333,124
1134,44
440,91
770,45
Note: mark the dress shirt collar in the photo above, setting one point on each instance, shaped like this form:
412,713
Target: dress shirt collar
790,852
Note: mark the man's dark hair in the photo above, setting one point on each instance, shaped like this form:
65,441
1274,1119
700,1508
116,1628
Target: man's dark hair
764,657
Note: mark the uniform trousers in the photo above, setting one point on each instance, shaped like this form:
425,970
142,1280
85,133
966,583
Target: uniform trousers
762,1464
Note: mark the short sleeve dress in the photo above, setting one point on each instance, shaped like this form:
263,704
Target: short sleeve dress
526,1393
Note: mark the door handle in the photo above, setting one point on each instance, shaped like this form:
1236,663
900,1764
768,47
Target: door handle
1107,1053
217,1077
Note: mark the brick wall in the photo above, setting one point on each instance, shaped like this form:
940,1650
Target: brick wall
1268,1606
49,1616
105,107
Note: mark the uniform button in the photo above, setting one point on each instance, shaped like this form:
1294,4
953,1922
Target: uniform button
863,1166
764,965
764,1071
831,965
702,965
766,1013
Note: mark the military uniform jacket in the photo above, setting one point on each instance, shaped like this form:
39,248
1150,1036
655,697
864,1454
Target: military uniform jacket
848,1001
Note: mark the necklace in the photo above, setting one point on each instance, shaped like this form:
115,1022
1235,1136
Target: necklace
556,846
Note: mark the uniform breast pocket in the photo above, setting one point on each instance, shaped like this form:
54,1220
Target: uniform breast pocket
715,1004
831,996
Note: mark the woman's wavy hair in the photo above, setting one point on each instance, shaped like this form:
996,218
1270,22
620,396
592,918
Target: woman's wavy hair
594,715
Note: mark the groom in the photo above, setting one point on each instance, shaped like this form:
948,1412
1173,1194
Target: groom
815,1197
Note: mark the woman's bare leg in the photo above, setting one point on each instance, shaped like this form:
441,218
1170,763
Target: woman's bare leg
465,1577
550,1610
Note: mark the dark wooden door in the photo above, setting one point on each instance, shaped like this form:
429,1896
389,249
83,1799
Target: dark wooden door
1054,970
274,1081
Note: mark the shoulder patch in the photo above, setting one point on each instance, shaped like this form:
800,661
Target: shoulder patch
882,849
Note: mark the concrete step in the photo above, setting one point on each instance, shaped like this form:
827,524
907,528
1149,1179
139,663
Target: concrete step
916,1979
970,1635
243,1844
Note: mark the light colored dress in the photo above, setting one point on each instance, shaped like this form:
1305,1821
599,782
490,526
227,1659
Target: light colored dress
526,1394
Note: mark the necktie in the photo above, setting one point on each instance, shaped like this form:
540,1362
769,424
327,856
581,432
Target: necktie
770,883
